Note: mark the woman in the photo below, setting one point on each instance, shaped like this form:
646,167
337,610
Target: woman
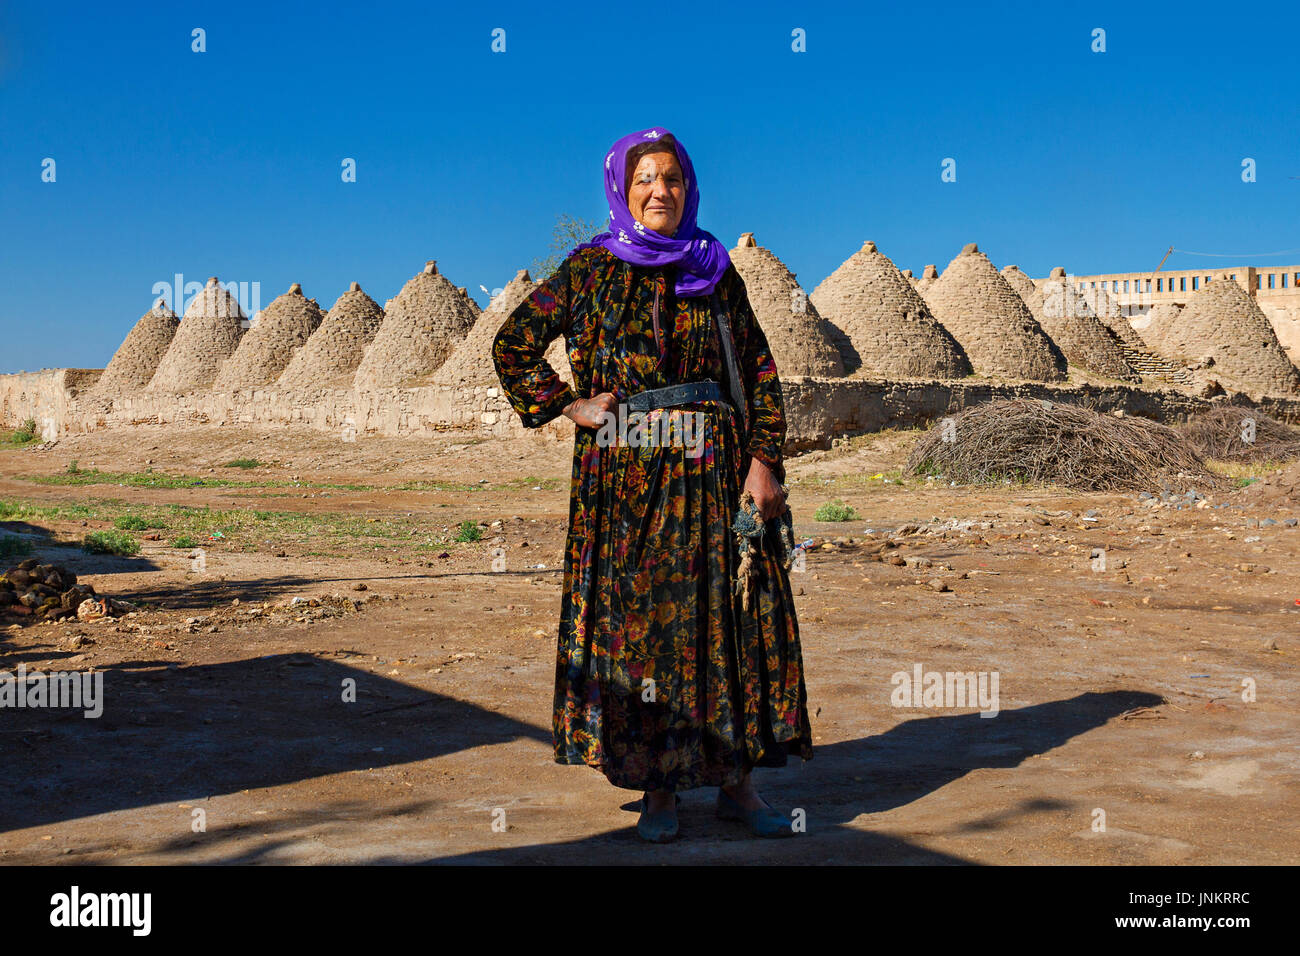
664,680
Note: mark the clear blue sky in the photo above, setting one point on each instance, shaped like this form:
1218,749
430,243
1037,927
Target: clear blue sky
228,162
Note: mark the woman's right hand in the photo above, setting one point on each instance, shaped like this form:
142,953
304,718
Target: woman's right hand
590,412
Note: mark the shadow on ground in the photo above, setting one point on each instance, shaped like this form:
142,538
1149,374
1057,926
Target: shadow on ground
177,733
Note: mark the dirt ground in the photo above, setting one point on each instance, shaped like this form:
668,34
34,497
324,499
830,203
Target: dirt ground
1147,710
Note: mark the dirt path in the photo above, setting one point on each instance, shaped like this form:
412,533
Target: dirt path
1120,691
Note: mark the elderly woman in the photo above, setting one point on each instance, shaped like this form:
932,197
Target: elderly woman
667,677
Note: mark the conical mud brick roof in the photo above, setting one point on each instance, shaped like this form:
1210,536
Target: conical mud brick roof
268,347
206,337
990,321
1021,283
928,277
1223,322
801,341
335,349
1065,317
884,326
1159,320
421,327
136,360
471,363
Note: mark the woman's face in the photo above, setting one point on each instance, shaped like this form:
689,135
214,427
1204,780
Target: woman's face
656,192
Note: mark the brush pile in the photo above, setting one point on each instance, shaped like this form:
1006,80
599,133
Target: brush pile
1232,433
1033,441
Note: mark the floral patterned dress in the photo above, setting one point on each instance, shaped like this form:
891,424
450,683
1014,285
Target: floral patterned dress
662,679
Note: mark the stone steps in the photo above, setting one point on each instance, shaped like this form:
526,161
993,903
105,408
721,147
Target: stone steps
1149,365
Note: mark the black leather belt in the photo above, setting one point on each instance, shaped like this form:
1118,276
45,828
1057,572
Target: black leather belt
683,394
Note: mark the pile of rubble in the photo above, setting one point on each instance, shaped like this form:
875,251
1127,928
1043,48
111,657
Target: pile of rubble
50,592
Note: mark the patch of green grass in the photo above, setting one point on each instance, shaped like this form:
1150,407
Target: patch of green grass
468,531
835,511
184,541
137,522
73,467
12,546
110,542
22,435
243,463
434,486
155,479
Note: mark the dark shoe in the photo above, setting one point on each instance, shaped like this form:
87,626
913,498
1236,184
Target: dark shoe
765,822
657,827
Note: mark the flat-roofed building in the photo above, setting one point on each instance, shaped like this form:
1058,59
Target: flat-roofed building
1276,289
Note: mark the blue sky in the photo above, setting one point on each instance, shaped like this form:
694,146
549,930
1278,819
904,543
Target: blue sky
228,162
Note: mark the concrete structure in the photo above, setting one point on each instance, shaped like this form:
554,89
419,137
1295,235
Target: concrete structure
1276,289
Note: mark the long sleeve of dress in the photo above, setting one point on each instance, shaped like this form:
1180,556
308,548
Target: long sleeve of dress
534,389
762,385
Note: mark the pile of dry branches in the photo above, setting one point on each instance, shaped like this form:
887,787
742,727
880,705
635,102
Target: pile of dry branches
1232,433
1035,441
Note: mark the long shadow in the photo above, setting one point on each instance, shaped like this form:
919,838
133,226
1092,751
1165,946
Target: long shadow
870,775
186,732
174,734
203,591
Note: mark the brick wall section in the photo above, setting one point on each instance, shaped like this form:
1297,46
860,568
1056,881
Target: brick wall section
266,349
335,349
1062,314
993,326
206,337
421,327
817,409
800,339
881,324
1223,322
136,360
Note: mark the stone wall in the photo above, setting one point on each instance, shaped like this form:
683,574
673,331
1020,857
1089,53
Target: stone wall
817,409
49,396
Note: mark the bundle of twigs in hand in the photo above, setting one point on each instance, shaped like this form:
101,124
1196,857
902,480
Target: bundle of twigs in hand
750,529
1035,441
1233,433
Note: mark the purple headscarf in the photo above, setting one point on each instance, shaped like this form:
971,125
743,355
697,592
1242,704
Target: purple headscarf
701,259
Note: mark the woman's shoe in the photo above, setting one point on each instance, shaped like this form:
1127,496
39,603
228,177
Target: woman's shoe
765,822
657,827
